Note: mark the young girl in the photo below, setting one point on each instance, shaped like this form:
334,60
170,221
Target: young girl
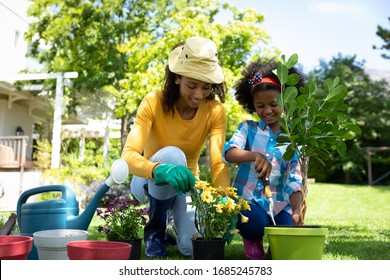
257,92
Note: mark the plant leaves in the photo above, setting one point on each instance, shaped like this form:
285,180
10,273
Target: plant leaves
315,130
289,154
292,105
310,87
282,73
341,148
290,93
282,139
337,93
292,79
328,84
353,127
292,60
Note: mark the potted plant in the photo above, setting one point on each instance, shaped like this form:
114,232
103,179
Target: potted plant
313,125
216,212
124,219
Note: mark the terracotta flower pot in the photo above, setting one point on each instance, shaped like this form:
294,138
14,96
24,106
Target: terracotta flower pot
296,242
15,247
208,249
98,250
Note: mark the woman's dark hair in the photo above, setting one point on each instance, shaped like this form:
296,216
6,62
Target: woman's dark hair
265,67
171,90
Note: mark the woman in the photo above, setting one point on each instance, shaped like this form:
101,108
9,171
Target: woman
166,140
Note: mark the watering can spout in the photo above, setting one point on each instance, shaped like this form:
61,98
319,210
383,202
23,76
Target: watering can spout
118,174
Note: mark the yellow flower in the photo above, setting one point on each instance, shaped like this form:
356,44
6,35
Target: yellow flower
244,204
216,209
234,231
244,219
207,196
230,205
200,185
219,208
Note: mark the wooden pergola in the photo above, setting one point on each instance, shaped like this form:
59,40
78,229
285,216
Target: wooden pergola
370,151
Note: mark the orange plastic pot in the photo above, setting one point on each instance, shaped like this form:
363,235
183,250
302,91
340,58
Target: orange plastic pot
15,247
98,250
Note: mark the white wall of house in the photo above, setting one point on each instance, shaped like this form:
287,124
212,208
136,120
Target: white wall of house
13,25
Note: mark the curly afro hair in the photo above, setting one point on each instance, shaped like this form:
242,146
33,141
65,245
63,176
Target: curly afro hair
265,67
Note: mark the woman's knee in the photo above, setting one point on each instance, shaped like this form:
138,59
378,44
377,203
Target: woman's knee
170,154
137,188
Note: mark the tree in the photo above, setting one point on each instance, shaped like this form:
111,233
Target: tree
368,105
122,46
314,122
385,35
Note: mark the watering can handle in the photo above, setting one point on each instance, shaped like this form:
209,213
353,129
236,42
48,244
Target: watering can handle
67,193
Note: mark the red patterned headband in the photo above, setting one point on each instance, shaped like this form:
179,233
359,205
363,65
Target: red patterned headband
258,79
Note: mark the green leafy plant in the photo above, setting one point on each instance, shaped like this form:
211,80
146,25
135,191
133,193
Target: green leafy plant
43,154
123,219
313,122
216,211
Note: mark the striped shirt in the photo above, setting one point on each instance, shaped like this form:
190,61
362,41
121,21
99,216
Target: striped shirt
285,178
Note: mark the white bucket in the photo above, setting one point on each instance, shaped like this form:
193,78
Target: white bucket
51,244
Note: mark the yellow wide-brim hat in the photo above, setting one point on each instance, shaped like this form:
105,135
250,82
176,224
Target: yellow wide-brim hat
197,59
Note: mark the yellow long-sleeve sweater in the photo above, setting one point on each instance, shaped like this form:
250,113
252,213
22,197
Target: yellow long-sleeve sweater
153,130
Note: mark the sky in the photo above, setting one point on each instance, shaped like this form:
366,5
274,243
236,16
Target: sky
320,29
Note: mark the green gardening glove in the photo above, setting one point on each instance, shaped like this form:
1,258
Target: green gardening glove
178,176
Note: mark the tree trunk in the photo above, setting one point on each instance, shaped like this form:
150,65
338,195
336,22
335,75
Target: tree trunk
304,172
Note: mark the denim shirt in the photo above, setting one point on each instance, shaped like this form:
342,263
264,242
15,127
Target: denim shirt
285,178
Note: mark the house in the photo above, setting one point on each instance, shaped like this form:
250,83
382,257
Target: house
20,110
24,110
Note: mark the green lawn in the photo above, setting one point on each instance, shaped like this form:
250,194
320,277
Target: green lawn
358,219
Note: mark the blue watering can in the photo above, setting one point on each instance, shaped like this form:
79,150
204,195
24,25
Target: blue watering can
62,213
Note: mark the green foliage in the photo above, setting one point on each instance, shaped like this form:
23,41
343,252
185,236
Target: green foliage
123,219
120,47
78,174
385,35
368,105
43,155
313,122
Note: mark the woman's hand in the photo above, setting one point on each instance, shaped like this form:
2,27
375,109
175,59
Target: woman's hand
178,176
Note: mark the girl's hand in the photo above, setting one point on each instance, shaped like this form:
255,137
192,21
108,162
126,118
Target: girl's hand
296,201
262,165
297,218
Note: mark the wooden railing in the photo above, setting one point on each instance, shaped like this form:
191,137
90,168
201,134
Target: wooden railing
13,153
370,151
